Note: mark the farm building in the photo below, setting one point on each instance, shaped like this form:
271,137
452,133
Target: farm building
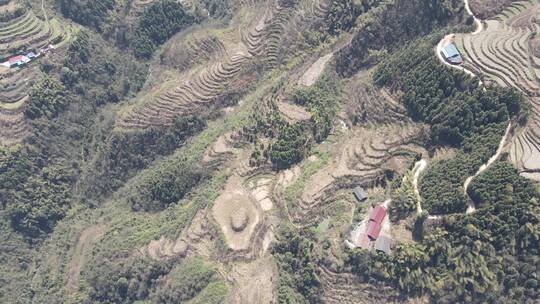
360,194
375,221
451,54
378,214
362,241
383,244
373,230
18,60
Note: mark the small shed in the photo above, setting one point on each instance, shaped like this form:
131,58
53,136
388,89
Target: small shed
383,244
360,194
373,230
47,48
451,54
378,214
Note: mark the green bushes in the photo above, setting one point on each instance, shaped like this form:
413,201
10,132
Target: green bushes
341,16
449,100
298,280
500,183
35,196
460,113
321,101
88,12
94,71
403,199
289,143
125,153
290,146
187,281
124,278
442,186
158,23
474,258
390,24
167,185
47,98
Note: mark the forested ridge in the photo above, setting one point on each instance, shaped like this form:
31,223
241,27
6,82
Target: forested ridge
388,25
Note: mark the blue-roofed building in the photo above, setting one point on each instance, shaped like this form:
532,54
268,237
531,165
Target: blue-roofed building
451,54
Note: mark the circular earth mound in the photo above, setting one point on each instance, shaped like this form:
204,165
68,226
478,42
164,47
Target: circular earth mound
239,219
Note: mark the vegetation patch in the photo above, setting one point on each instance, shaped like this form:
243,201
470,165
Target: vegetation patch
387,25
298,279
461,261
461,114
88,12
158,23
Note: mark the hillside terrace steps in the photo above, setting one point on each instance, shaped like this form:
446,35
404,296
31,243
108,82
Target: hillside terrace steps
472,55
200,89
503,51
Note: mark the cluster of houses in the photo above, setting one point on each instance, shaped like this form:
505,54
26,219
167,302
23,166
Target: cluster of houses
451,54
23,59
370,235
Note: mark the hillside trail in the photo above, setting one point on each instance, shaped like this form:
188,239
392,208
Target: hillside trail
447,39
417,170
482,168
45,12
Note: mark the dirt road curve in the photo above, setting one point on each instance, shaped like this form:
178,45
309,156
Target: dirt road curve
445,41
485,166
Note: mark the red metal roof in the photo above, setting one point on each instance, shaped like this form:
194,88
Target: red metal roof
378,214
373,230
15,58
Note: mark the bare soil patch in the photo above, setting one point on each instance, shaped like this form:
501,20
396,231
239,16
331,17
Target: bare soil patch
314,71
293,112
254,282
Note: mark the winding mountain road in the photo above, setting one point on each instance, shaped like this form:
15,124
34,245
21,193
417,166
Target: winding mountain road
445,41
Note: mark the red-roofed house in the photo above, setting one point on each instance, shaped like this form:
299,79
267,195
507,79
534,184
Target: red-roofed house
378,214
18,60
373,230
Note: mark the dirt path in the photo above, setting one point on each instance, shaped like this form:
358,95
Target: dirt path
479,25
482,168
313,73
448,38
45,12
445,41
86,238
417,170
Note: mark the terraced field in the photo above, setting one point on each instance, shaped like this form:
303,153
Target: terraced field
505,53
13,96
342,287
22,32
222,67
359,159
